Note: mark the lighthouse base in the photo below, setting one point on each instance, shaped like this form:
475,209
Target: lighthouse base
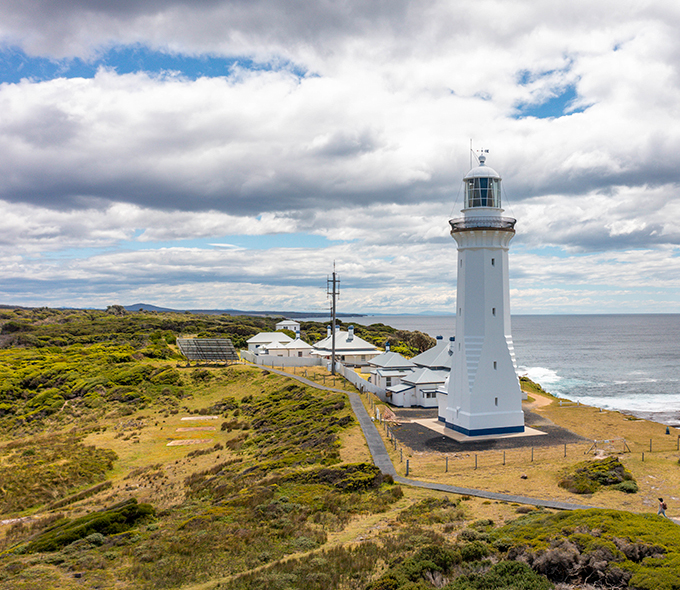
485,431
482,423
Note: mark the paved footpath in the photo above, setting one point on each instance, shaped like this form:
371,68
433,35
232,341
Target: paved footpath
382,460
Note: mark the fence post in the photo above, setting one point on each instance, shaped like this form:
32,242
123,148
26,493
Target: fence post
475,460
565,449
650,445
446,470
401,455
532,454
503,457
643,456
406,467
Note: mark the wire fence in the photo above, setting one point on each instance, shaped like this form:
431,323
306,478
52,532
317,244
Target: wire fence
655,448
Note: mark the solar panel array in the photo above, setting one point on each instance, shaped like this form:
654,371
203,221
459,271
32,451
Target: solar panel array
207,349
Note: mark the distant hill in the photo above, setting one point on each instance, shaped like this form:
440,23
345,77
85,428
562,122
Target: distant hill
287,314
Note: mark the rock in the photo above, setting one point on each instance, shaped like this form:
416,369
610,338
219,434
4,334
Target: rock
524,476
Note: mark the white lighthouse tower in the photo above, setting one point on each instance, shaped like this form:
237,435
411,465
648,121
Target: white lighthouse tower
483,396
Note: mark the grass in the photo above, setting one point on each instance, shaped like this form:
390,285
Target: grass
45,469
284,496
657,475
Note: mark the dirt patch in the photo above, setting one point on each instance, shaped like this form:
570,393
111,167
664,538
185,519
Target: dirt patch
188,441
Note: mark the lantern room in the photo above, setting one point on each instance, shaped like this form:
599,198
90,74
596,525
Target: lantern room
482,186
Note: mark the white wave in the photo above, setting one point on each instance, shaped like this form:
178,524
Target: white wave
541,375
652,403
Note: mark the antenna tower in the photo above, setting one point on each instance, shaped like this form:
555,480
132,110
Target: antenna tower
333,291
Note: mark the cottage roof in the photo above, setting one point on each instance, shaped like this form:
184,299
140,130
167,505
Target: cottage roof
269,337
440,356
392,372
400,387
424,375
390,360
345,344
298,344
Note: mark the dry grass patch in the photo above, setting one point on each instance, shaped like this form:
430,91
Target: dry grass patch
499,471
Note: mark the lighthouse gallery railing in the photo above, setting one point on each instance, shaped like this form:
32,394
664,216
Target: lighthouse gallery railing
465,223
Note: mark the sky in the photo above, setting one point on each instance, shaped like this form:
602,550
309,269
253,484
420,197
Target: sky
225,154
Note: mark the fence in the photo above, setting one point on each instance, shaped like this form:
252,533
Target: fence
359,382
269,360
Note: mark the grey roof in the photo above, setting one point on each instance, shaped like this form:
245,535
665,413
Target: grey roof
392,372
400,387
298,344
269,337
390,360
440,356
425,376
343,345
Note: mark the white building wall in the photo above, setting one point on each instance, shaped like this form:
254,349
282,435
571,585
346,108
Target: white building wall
484,396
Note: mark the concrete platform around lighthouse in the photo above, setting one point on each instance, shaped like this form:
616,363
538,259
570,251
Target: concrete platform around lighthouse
437,426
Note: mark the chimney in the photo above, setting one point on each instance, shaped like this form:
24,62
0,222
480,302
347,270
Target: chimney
297,332
387,345
440,338
350,334
452,339
328,331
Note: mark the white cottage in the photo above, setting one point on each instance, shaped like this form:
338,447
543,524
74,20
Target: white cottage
419,388
266,341
298,348
291,325
389,368
349,349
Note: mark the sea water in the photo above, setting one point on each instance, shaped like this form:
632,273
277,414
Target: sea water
628,363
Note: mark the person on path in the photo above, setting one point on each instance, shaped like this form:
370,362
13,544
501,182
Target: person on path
662,508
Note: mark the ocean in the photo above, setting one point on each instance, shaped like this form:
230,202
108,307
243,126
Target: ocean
628,363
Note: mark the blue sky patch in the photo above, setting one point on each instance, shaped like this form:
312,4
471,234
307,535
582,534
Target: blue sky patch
554,107
16,65
259,242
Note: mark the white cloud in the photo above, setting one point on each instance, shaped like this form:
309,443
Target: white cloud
365,147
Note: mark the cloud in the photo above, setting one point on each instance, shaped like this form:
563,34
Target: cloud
353,125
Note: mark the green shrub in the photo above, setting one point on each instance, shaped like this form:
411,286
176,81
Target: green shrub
116,519
474,551
505,575
587,477
608,547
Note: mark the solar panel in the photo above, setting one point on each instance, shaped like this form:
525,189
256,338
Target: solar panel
207,349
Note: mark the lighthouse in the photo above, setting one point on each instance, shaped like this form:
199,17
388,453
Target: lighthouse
483,396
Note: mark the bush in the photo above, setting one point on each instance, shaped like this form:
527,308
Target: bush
116,519
505,575
587,477
629,487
